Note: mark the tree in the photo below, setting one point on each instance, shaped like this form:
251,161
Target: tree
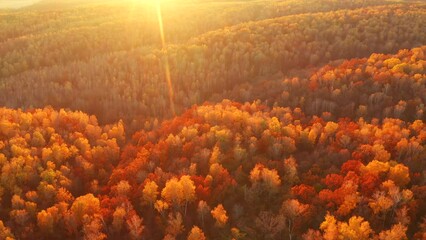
356,228
215,157
349,203
400,174
270,224
150,192
175,225
270,178
5,232
219,213
123,188
380,202
290,170
312,235
265,182
46,219
118,220
135,227
292,209
333,181
330,228
161,206
396,232
173,192
92,228
188,190
196,234
402,216
304,193
203,209
85,205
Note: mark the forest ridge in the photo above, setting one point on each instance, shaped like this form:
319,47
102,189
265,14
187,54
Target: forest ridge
196,119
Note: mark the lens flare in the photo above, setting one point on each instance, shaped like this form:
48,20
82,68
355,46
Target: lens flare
166,59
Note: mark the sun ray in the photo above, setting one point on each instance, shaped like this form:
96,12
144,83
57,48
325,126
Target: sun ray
166,60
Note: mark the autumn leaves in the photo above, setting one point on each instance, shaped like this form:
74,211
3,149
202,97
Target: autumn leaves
245,169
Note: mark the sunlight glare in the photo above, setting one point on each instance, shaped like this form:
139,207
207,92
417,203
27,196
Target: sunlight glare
166,60
157,5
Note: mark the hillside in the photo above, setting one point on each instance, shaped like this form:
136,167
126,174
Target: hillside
380,86
131,85
97,27
244,162
199,119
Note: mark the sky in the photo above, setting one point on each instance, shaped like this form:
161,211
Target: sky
16,3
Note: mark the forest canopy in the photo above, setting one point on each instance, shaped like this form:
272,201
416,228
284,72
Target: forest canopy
195,119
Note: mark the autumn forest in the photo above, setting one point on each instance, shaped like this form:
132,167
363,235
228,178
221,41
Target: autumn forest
213,119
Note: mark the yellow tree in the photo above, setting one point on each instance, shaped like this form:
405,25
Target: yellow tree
329,226
196,234
123,188
396,232
173,192
380,202
150,192
119,216
188,190
219,213
85,205
389,199
399,174
215,157
161,206
356,228
262,177
46,219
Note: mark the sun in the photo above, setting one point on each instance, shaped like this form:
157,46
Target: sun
146,1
